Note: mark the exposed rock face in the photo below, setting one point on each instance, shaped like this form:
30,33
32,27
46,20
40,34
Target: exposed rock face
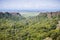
49,14
48,38
15,13
52,14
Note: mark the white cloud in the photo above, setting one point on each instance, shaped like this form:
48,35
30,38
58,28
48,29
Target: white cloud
29,4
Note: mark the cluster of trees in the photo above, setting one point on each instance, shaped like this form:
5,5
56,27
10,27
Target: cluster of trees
35,28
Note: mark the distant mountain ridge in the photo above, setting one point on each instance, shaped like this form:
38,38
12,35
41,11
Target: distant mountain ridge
50,14
19,16
11,15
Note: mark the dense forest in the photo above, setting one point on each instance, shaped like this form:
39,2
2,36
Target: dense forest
45,26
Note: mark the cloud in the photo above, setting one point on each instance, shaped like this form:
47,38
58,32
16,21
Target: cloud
29,4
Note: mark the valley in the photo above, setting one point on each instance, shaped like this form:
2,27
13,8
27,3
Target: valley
30,25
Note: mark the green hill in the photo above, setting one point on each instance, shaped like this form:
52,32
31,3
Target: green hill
13,26
11,16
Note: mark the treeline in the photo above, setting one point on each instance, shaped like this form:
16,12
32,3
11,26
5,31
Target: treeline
34,28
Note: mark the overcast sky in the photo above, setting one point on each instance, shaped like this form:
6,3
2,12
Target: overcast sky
30,5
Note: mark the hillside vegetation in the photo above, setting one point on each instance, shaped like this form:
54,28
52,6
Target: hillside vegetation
40,27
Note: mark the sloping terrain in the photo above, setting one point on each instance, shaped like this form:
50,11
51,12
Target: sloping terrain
40,27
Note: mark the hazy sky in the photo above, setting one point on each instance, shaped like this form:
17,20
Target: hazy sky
30,5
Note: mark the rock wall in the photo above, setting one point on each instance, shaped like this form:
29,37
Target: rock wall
52,14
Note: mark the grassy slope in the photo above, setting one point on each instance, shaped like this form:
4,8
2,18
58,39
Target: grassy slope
27,14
